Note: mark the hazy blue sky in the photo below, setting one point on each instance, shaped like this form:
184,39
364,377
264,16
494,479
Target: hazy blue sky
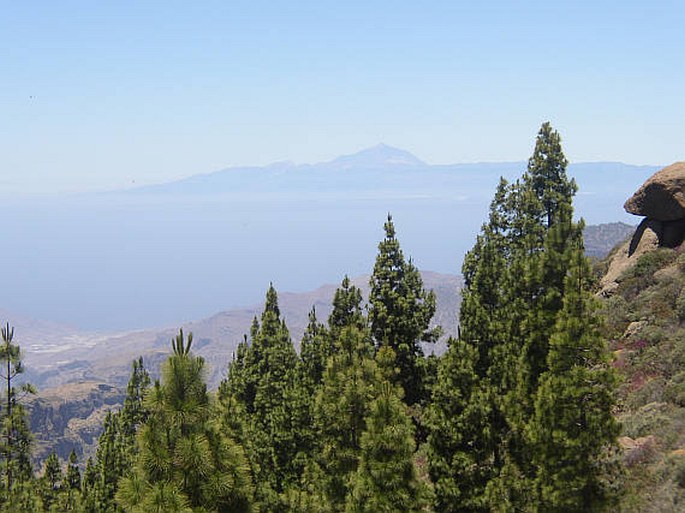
98,94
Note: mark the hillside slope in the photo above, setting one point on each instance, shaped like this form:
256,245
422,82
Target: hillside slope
645,324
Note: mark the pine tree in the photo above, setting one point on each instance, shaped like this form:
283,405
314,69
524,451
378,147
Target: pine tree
542,234
351,382
314,351
70,497
386,479
515,282
400,311
319,342
547,174
536,215
67,497
461,440
546,211
117,447
73,477
89,488
134,413
51,482
236,386
186,462
15,436
114,460
262,380
466,424
573,426
484,270
347,308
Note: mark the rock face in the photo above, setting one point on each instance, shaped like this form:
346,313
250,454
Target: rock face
661,197
643,241
71,417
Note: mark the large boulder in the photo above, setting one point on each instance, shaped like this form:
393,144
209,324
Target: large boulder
661,197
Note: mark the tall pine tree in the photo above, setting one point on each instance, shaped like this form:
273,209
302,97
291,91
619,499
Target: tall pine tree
386,480
186,462
15,436
351,382
515,283
573,426
400,311
262,386
51,482
117,446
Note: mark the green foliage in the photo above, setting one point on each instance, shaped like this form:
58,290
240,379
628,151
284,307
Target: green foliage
493,445
518,415
400,311
350,383
263,387
641,275
386,479
347,308
461,452
15,436
117,446
547,174
574,426
51,482
23,498
70,497
186,462
315,349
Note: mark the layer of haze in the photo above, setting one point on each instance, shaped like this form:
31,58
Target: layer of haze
103,95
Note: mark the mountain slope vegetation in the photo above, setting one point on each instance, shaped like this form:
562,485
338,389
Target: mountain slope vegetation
645,325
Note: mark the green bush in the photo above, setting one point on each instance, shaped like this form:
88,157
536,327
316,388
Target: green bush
641,276
646,420
659,301
680,305
616,313
651,392
675,389
675,467
676,350
652,261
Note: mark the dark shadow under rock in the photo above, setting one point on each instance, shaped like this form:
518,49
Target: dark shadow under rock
669,234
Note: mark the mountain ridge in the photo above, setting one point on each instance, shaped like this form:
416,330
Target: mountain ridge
380,157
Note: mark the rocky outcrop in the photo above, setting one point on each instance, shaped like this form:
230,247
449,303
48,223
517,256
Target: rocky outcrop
626,256
661,197
637,450
71,417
